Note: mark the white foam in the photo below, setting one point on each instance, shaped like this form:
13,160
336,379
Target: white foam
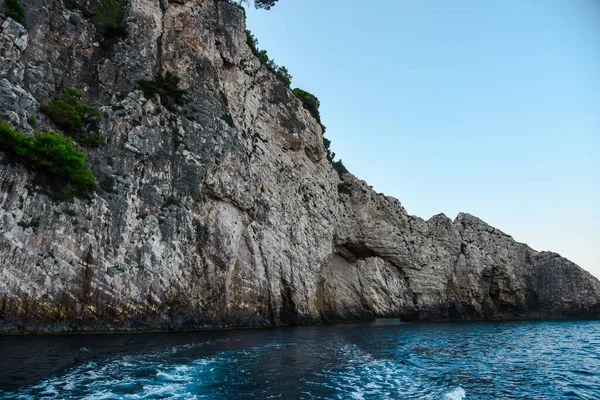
457,394
172,377
115,378
365,375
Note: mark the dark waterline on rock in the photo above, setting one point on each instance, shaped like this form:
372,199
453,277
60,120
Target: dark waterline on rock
382,359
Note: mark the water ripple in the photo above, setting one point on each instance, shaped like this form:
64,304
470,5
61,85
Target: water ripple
382,360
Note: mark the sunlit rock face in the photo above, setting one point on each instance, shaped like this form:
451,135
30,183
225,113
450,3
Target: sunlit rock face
225,211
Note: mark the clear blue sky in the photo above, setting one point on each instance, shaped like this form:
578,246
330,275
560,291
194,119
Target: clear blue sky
487,107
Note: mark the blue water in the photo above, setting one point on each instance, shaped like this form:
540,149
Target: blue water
386,359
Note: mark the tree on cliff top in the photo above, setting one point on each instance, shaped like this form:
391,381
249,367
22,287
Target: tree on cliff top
266,4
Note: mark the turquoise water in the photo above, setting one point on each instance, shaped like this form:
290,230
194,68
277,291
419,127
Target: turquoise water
386,359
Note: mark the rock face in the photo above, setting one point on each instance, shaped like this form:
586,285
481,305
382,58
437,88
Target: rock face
224,212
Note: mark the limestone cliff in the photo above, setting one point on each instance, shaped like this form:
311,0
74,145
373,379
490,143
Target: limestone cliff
225,211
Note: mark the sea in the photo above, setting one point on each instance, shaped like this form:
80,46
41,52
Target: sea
383,359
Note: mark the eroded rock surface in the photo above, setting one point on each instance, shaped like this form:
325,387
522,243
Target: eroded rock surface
224,212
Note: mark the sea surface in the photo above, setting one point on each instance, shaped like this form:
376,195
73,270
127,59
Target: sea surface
385,359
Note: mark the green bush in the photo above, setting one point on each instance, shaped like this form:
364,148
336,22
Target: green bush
310,102
252,43
339,167
330,154
92,141
266,4
68,111
32,120
264,58
14,10
280,72
106,16
167,87
238,4
51,153
9,138
283,75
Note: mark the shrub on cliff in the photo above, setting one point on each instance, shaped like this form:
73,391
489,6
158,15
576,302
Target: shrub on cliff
68,111
266,4
14,10
238,4
280,72
106,16
252,43
339,167
310,102
283,74
166,87
330,154
92,141
49,153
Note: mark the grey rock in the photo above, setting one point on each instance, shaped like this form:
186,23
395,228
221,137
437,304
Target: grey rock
13,42
200,223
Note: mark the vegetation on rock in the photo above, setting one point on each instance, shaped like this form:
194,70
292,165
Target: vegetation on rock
339,167
69,112
106,17
280,72
266,4
166,87
49,153
252,42
310,102
14,10
330,154
238,4
92,141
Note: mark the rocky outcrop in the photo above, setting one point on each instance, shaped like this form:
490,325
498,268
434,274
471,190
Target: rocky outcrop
224,212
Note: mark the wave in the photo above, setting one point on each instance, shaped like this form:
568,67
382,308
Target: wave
365,376
423,363
126,377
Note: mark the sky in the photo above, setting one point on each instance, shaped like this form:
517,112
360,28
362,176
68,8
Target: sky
485,107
